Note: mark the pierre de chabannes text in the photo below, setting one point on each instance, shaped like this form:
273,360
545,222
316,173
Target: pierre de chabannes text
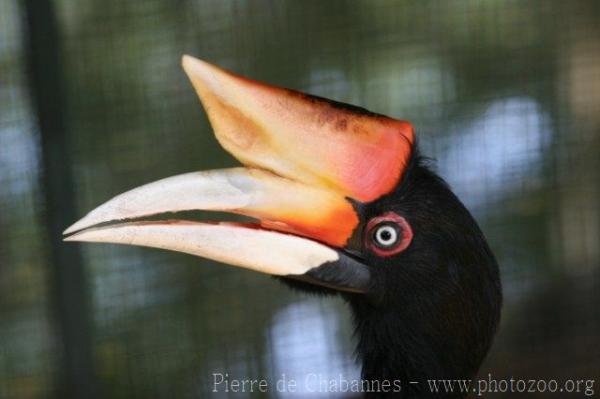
317,383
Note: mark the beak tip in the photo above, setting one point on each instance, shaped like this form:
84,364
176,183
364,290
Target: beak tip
81,224
186,60
207,79
196,68
78,225
69,238
90,235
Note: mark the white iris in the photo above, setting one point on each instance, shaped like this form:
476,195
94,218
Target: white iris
386,236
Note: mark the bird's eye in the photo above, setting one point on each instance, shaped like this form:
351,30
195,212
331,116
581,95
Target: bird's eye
388,234
385,235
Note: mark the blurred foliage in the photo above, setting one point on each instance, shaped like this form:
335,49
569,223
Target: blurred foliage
505,94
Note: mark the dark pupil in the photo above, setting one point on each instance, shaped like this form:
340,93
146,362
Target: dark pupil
386,235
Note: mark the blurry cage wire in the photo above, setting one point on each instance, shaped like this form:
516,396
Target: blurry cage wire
27,359
515,85
66,297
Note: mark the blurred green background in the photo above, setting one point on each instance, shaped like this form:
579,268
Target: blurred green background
505,95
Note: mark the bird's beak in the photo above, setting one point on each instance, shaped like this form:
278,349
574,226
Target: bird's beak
305,157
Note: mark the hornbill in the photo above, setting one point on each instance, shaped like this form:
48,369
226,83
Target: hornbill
342,203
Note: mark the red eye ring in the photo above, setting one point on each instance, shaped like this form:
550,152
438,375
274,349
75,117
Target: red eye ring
400,225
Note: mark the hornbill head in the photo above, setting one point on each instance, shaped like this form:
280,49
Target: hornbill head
342,203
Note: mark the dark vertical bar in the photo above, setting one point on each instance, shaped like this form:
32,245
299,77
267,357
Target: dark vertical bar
69,284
